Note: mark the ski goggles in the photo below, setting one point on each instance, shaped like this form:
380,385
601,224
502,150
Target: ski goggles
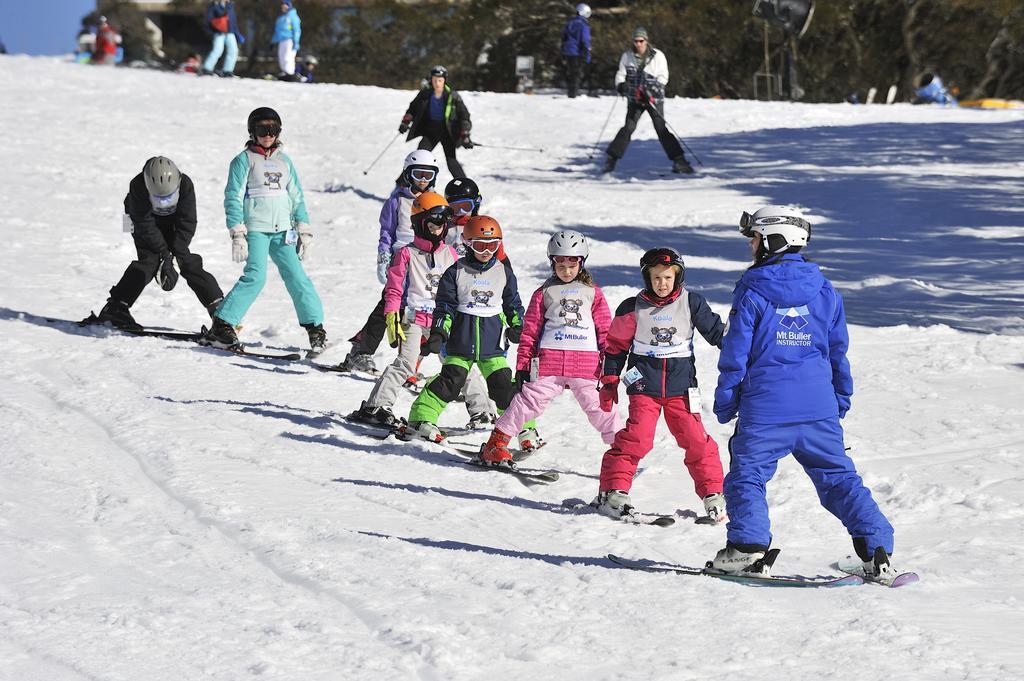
462,207
484,246
567,259
164,205
266,130
747,223
422,174
438,216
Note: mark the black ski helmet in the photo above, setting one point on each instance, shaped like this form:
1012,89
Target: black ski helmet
461,189
263,113
662,256
438,70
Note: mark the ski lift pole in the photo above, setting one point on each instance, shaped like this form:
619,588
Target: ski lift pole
654,110
397,135
601,134
495,146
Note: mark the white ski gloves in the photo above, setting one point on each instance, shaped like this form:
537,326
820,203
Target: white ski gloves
383,261
239,244
305,239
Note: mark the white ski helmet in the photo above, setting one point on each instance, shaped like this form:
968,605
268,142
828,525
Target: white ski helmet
420,165
781,228
583,9
568,242
162,179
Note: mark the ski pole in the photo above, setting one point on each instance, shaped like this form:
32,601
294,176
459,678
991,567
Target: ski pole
495,146
654,110
397,135
601,134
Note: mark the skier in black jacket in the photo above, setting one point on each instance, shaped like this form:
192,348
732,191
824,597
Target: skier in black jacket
161,205
438,114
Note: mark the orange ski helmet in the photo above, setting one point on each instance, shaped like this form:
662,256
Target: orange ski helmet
481,227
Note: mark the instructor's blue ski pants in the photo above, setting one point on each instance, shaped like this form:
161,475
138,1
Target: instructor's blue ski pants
818,447
308,307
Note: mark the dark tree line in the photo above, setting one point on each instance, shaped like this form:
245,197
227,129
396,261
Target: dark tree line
713,46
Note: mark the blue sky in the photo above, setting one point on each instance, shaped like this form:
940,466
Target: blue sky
42,26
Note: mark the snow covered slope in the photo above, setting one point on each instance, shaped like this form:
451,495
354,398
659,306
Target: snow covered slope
168,512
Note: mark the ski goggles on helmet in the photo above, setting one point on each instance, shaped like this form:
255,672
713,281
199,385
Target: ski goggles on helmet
660,256
438,216
164,205
422,174
462,207
748,222
266,130
484,246
567,259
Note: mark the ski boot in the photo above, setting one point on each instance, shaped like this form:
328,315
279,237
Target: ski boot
220,335
609,163
613,503
495,451
714,506
117,313
530,439
317,338
355,361
879,569
375,416
481,420
682,166
737,558
425,430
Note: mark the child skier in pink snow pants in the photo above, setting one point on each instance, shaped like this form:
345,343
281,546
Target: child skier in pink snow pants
565,329
653,332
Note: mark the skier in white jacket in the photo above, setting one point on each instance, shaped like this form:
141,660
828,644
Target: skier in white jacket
641,79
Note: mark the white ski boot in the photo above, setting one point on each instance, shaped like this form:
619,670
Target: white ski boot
733,560
613,503
425,430
481,421
530,439
714,506
879,569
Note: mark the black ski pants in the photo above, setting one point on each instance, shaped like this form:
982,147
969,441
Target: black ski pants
141,271
437,132
367,339
633,113
573,73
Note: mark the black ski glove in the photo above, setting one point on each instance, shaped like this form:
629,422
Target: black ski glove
522,378
465,141
621,87
406,122
513,334
166,275
434,343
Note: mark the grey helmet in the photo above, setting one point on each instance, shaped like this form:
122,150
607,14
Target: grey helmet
568,242
163,179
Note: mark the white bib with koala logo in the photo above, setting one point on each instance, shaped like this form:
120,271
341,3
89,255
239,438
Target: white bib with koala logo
664,331
568,323
424,273
267,176
480,292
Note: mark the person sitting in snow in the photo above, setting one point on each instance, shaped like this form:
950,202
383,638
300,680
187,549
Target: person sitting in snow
783,370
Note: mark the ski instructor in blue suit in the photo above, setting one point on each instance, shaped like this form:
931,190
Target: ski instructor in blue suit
783,370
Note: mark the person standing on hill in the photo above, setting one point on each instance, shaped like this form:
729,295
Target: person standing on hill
783,371
287,33
641,79
576,47
222,25
107,42
438,114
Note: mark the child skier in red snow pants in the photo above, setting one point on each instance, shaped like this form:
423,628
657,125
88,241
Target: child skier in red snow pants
652,338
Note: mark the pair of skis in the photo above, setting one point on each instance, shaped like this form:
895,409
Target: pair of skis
851,566
466,454
193,336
